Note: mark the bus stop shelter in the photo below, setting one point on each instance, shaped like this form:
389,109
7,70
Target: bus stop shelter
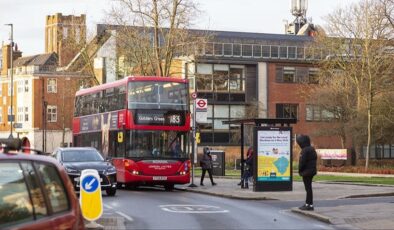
258,122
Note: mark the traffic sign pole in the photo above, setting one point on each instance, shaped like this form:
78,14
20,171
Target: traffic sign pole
194,155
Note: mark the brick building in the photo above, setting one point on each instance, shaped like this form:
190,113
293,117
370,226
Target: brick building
43,93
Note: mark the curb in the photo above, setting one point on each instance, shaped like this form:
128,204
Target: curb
313,214
369,195
354,183
225,195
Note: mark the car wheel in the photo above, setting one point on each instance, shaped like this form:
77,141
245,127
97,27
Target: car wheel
169,187
119,185
111,191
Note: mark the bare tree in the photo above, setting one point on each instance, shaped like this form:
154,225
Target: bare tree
152,33
357,74
252,110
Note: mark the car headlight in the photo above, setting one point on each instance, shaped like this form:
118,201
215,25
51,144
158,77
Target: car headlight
71,170
110,170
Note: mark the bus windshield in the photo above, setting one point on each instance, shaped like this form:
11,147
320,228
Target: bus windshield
156,144
157,95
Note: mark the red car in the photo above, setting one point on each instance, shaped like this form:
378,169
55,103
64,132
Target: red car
36,193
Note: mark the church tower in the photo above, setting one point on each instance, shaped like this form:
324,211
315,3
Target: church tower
65,35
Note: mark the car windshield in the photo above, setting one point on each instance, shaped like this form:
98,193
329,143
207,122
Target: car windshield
81,156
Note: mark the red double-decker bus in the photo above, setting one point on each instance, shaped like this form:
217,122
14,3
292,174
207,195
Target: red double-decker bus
141,124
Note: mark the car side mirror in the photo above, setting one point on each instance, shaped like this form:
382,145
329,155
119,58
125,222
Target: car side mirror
108,159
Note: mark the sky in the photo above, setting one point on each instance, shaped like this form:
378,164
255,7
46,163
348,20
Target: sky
260,16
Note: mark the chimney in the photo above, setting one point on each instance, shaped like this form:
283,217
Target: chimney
17,53
6,49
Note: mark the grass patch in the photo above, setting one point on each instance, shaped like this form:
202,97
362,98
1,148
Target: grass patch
330,178
365,180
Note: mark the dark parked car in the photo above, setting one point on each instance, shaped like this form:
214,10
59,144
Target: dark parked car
36,193
76,159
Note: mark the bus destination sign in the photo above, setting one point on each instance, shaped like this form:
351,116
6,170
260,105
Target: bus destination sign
152,117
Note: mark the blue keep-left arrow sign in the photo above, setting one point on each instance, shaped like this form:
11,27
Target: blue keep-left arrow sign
90,183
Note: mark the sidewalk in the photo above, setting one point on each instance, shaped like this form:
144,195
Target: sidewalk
371,216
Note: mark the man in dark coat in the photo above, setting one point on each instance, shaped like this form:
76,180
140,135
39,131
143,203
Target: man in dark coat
307,168
248,170
206,165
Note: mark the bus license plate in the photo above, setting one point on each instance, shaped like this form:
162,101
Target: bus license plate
159,178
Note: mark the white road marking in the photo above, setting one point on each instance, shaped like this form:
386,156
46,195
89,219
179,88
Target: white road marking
322,226
118,212
186,208
125,216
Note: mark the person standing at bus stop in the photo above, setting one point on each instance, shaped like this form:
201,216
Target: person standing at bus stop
206,166
307,168
248,169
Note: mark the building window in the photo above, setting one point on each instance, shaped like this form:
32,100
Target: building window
9,118
237,83
1,113
26,114
204,77
77,34
289,75
220,78
20,86
287,111
237,49
65,33
214,131
208,49
52,113
313,77
20,114
26,86
52,86
1,89
316,113
379,151
247,50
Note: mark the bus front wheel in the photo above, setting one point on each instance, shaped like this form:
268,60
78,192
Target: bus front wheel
169,187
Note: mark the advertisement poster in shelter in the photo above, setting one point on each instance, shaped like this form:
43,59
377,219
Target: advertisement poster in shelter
274,155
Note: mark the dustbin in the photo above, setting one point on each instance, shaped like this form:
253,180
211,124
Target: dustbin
218,162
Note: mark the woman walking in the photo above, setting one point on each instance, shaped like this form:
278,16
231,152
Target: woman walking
206,166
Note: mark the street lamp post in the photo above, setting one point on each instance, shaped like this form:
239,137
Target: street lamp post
12,75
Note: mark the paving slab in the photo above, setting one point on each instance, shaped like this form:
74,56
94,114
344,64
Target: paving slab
368,216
